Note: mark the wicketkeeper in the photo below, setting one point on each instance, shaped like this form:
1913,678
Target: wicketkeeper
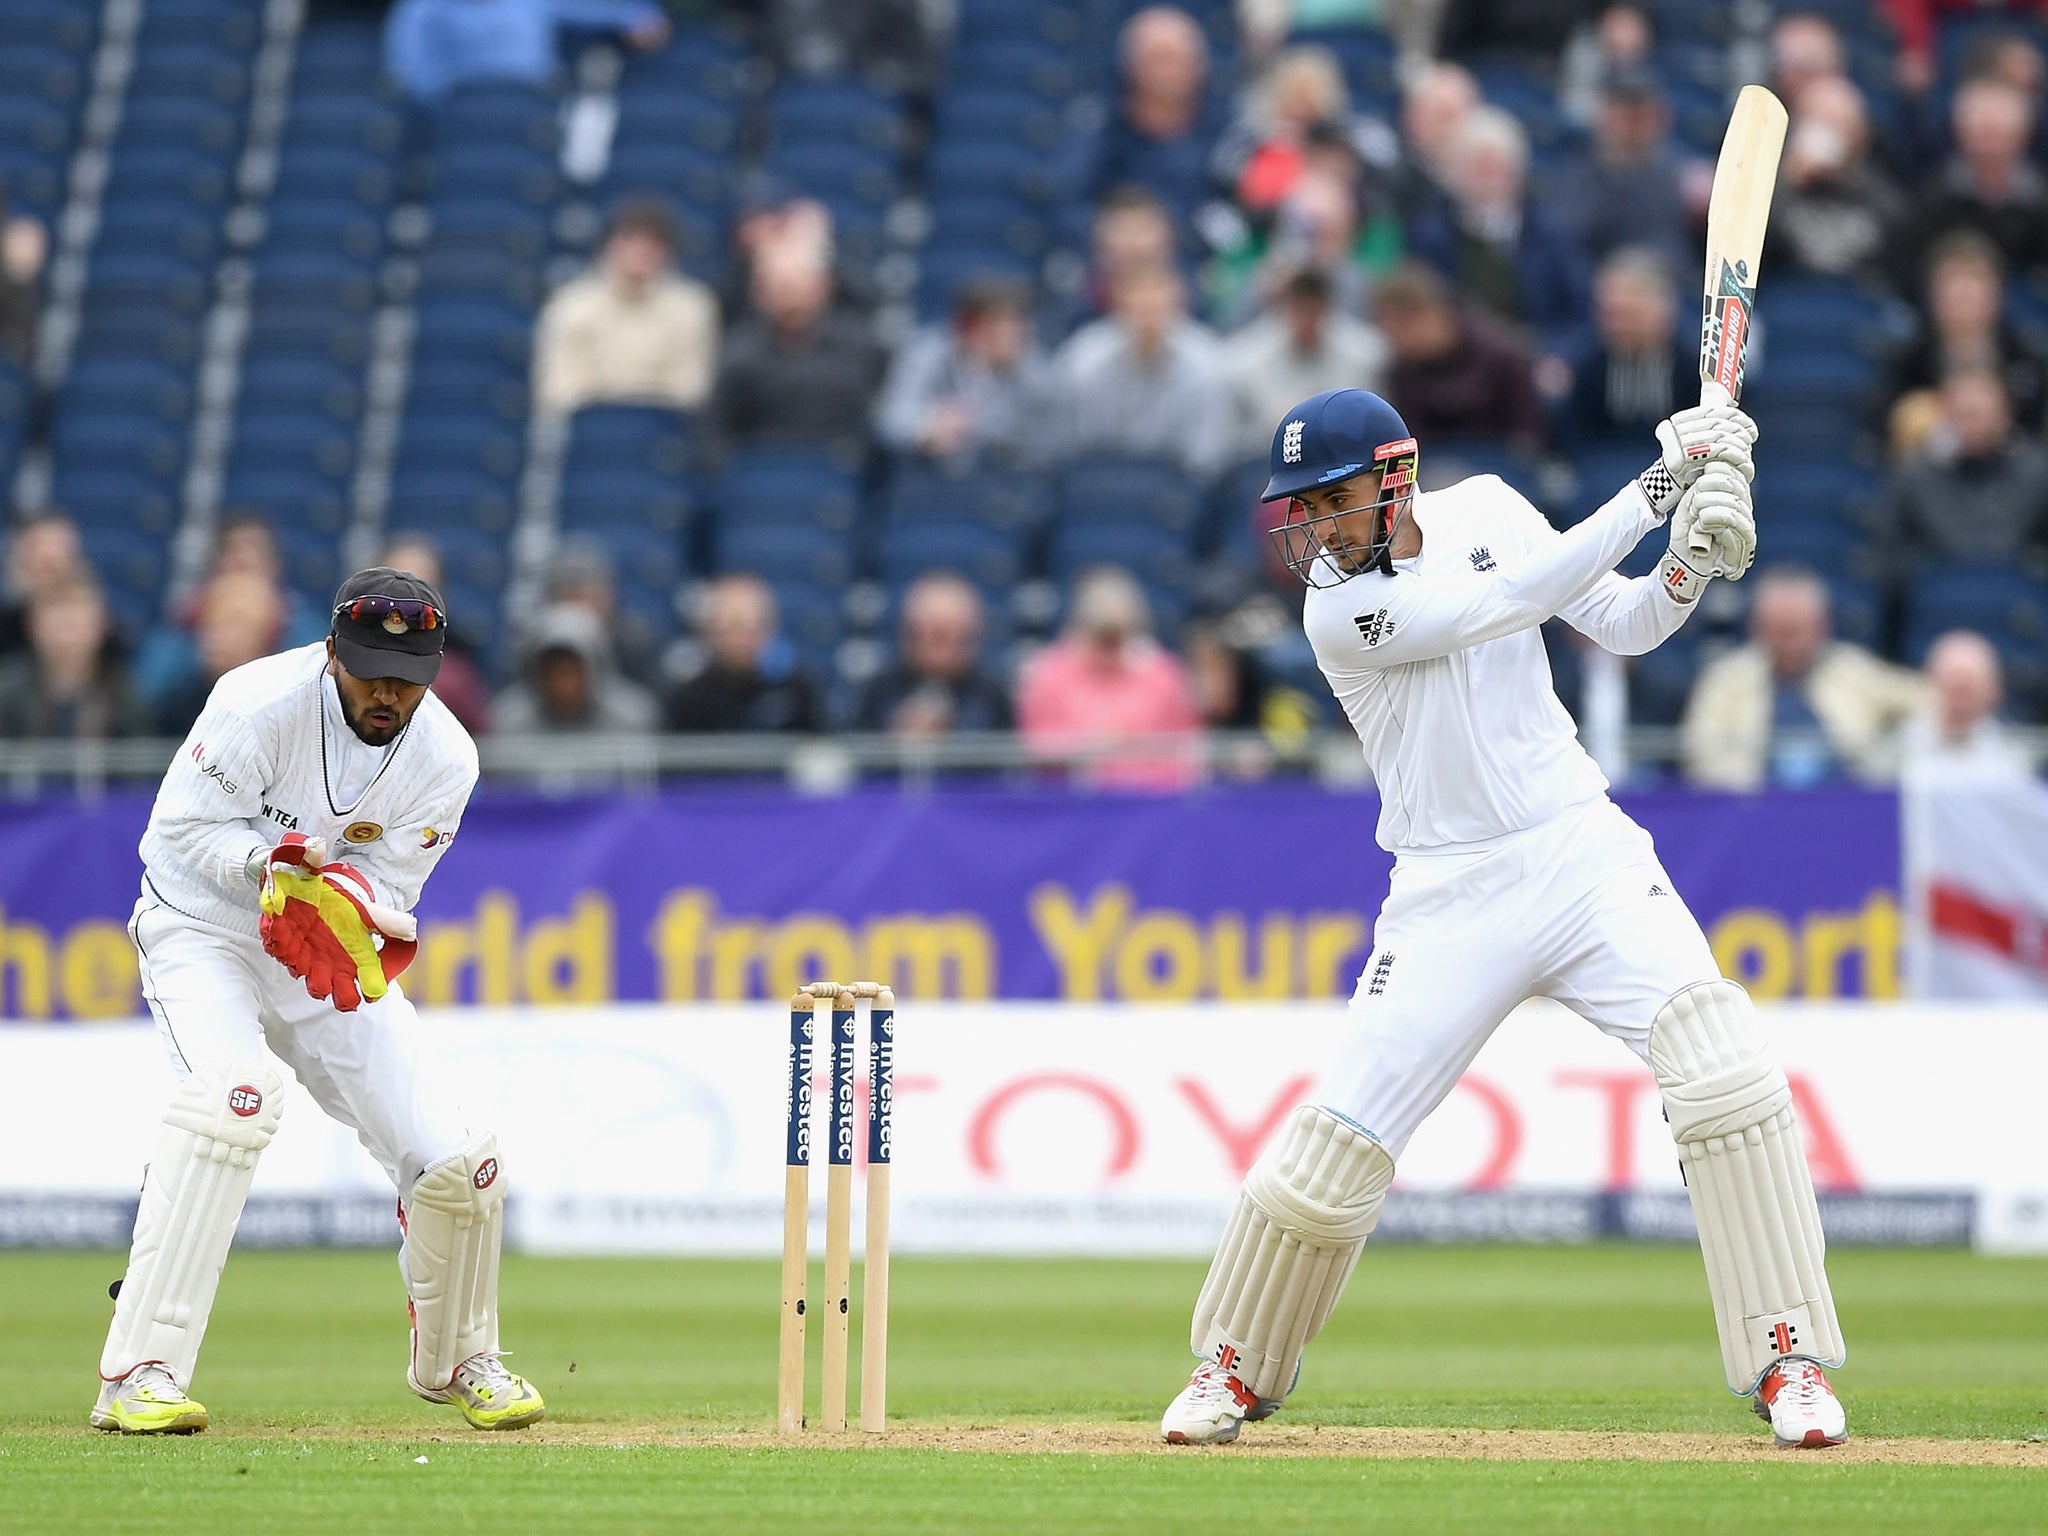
289,842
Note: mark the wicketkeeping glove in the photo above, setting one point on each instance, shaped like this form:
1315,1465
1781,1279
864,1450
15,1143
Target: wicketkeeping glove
321,925
1713,533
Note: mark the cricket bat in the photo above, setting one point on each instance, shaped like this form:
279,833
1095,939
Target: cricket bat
1737,215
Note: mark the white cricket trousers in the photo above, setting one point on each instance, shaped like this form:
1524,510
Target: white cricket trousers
1577,909
217,997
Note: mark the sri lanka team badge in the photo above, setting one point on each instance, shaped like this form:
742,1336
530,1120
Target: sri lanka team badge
360,832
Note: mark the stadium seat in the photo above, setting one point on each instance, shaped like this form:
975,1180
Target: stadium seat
989,557
1116,489
792,488
921,494
835,112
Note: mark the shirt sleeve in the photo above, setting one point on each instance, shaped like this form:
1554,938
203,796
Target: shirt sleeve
209,809
1434,615
398,863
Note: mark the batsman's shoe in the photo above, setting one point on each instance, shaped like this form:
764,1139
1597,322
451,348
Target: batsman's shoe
1802,1408
1212,1408
147,1401
489,1396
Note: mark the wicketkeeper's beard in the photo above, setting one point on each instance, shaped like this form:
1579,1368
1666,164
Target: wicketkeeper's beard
380,733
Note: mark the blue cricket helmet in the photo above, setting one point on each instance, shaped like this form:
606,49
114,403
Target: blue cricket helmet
1331,437
1327,439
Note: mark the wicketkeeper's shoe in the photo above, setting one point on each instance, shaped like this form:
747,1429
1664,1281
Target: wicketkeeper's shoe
147,1401
489,1396
1213,1406
1802,1408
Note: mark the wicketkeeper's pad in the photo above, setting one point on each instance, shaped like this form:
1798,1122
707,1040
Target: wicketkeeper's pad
454,1225
320,922
1302,1219
1730,1109
219,1121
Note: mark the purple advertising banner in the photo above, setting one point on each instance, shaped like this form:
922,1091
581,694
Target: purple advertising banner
1261,892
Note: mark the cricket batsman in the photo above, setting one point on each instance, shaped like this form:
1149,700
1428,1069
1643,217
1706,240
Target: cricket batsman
288,844
1514,877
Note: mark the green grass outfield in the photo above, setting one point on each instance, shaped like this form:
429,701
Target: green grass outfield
1497,1390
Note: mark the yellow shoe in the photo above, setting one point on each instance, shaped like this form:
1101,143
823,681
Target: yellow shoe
491,1397
147,1401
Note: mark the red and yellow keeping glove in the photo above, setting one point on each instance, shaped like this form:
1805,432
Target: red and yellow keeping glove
321,925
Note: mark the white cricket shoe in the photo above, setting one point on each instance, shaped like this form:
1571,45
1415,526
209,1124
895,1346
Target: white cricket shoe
147,1401
1802,1408
1213,1406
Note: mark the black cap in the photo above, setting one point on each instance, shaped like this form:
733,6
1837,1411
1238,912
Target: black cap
371,649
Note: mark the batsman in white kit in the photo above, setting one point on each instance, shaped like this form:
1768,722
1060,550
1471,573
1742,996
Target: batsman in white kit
289,842
1514,877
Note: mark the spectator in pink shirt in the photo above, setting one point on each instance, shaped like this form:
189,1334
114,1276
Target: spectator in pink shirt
1106,679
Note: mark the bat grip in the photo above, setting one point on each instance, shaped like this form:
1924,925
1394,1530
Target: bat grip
1711,393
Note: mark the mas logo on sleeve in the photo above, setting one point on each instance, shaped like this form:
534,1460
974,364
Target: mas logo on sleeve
360,832
1375,626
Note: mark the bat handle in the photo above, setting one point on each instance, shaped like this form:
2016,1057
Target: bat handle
1711,393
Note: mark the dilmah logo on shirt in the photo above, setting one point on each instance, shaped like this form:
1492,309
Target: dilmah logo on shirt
1482,559
1375,626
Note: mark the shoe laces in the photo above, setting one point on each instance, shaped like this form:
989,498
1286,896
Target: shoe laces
485,1373
1802,1382
1216,1387
158,1382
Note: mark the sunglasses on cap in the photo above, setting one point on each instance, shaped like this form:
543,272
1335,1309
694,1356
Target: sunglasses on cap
395,615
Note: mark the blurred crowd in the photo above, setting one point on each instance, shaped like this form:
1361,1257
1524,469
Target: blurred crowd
1243,239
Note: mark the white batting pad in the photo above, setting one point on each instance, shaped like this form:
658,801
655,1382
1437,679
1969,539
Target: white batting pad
1752,1197
454,1224
1307,1207
218,1123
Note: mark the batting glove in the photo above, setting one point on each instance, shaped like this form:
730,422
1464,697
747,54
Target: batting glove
320,923
1713,533
1692,439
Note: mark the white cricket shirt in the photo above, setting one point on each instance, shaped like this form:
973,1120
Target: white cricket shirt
270,754
1441,669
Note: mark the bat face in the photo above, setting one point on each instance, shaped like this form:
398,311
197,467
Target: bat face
1724,327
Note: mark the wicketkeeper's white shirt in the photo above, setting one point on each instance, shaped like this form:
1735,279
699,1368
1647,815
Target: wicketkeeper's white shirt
1441,669
272,754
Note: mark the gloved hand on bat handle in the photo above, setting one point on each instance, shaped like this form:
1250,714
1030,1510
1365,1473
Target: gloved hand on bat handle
320,923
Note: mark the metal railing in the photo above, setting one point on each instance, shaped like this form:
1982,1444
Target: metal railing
824,765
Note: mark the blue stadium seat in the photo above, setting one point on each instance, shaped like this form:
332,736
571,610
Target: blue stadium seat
783,550
294,498
1127,490
792,488
1155,553
166,120
992,558
604,498
491,223
349,120
1008,503
677,118
54,75
1046,69
484,169
216,74
129,498
63,25
117,439
1002,114
849,174
991,167
835,112
116,381
336,226
134,564
501,113
329,171
1004,224
942,269
168,171
451,501
2008,607
640,436
270,438
1835,489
